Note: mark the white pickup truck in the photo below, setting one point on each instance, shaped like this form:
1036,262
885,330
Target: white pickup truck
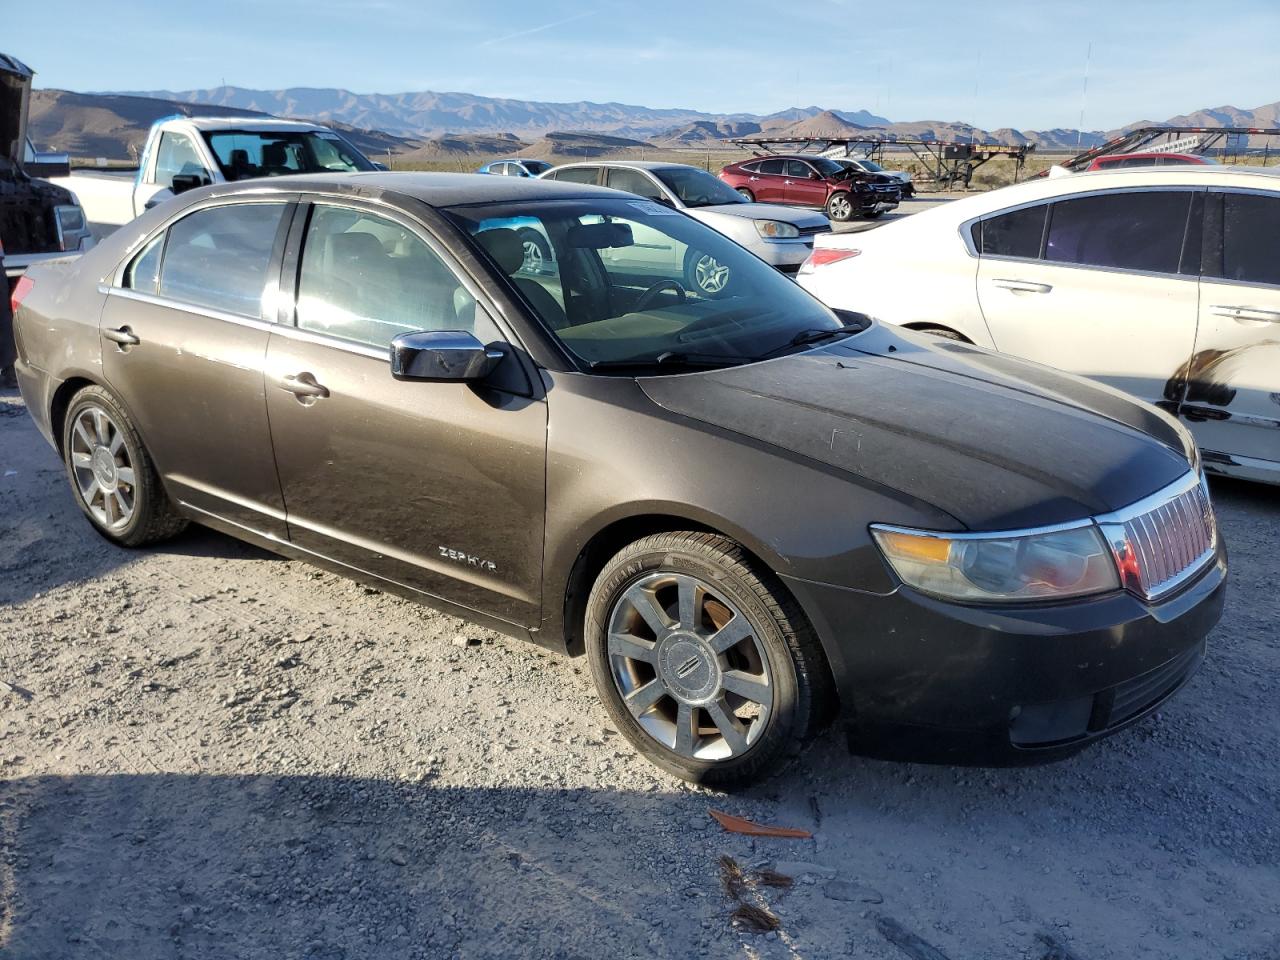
183,153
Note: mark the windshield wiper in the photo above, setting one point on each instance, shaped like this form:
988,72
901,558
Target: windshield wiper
816,335
672,358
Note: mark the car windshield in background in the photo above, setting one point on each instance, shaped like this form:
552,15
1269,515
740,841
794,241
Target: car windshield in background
870,165
536,167
828,167
697,188
248,154
620,284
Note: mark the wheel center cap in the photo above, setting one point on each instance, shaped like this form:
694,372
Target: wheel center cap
104,467
689,668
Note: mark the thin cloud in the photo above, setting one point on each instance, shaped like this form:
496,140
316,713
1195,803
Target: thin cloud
546,26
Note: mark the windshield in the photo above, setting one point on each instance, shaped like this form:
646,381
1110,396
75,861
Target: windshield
632,283
827,167
247,154
870,165
697,188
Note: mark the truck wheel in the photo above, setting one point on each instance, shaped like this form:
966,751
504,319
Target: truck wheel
840,207
702,659
112,477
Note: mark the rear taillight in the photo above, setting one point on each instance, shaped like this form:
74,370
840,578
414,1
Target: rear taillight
825,256
24,286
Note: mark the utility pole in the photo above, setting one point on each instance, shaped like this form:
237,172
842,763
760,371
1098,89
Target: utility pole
1084,95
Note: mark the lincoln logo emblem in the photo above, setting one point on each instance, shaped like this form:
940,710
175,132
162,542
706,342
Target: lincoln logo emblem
687,667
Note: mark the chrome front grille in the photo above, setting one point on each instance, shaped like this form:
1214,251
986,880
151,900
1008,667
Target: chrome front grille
1165,539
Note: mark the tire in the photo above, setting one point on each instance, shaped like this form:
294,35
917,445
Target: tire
112,477
840,207
774,662
705,274
537,253
746,195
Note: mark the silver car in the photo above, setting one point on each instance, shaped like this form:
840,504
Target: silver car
780,236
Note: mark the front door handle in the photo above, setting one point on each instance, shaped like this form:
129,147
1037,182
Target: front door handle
122,336
1234,312
1022,286
304,387
753,178
787,183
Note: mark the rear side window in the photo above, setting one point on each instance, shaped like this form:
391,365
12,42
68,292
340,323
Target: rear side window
368,279
1129,231
219,257
1015,234
633,181
579,174
1250,242
774,166
143,274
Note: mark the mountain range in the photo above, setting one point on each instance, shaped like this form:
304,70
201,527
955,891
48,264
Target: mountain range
430,124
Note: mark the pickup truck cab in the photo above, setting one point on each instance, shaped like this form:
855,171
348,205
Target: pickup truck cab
183,153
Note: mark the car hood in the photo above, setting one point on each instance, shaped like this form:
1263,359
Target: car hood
765,211
996,442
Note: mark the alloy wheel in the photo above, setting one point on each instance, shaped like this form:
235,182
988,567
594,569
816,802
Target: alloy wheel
533,259
689,666
103,468
710,274
841,208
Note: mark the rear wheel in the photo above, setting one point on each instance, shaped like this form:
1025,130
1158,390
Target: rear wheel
111,474
702,659
746,195
840,207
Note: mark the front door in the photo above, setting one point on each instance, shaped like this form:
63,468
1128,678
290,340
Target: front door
1096,285
802,186
1232,401
436,486
184,340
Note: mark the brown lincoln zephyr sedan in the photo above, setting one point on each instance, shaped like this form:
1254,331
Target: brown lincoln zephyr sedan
745,509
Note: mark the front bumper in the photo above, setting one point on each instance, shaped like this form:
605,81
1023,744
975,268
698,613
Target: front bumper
932,681
785,254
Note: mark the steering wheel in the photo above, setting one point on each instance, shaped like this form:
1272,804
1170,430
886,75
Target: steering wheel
657,288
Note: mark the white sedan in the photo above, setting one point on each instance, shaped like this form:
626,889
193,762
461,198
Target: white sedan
1163,282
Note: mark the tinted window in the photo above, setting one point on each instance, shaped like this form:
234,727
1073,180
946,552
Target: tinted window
219,257
1251,238
243,155
1016,234
697,188
1131,231
143,274
773,166
367,279
633,181
176,156
536,167
579,174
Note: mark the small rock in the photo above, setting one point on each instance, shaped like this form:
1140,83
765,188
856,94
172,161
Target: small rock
850,892
398,858
464,641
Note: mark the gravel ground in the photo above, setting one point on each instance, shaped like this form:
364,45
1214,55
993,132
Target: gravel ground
208,752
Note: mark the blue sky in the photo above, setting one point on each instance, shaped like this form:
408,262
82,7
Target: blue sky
995,64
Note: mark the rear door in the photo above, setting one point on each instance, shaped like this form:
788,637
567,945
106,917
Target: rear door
185,335
1233,378
1103,285
802,186
437,486
766,182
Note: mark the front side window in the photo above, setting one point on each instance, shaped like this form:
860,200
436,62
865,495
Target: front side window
798,169
624,290
177,156
1141,230
367,279
246,155
579,174
536,167
1250,238
1015,234
220,257
633,181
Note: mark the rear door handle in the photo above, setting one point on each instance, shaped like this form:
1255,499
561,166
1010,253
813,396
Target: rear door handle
787,182
1022,286
1245,313
304,387
122,336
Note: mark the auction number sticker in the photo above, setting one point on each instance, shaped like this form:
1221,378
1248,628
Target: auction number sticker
651,208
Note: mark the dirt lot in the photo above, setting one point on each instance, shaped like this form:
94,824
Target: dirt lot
208,752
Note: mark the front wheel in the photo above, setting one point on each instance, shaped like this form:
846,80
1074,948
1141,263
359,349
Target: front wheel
840,207
702,659
112,477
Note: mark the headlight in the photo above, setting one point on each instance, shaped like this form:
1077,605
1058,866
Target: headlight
1001,567
776,229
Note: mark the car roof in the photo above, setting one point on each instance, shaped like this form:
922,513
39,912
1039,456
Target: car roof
634,164
433,189
248,123
515,160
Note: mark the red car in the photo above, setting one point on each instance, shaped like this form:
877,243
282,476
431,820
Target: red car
1119,160
811,181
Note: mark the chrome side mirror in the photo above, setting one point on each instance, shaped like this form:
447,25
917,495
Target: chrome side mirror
442,355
